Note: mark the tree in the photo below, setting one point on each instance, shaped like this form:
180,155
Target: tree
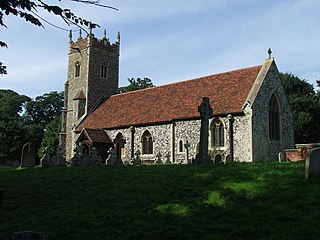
43,109
305,106
27,10
51,137
136,84
11,104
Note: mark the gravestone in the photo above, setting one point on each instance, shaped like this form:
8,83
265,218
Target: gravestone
58,159
167,158
45,161
218,158
86,160
95,158
228,158
312,168
26,235
281,157
137,159
205,111
158,160
111,159
28,155
186,156
76,159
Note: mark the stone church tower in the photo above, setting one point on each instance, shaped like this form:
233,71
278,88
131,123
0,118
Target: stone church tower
93,74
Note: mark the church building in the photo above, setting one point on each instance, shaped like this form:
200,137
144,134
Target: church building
251,119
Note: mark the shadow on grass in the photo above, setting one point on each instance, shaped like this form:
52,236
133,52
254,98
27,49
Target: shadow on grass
236,201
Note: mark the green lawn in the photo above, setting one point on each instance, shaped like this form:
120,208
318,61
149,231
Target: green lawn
235,201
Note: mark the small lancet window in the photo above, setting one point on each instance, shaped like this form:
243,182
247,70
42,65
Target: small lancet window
181,149
147,143
77,69
217,133
104,71
274,118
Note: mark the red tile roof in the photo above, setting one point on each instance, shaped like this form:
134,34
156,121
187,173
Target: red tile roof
95,135
227,92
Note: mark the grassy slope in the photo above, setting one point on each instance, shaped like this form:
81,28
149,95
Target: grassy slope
236,201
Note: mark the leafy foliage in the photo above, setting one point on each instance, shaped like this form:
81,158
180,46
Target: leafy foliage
11,104
43,109
305,106
51,137
140,83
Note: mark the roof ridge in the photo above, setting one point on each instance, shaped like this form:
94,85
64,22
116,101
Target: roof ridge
187,80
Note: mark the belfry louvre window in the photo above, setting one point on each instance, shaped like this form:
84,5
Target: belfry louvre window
274,118
104,71
217,133
147,143
77,69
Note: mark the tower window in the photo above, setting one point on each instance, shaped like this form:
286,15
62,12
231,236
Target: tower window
104,71
274,118
147,144
77,69
217,133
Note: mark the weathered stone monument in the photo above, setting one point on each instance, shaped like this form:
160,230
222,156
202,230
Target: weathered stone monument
45,161
205,111
26,235
95,158
111,159
158,160
312,168
137,159
167,158
58,159
28,155
76,159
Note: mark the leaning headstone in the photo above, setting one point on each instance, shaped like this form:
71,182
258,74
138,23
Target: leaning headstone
158,160
186,156
111,159
28,155
312,168
26,235
45,161
205,111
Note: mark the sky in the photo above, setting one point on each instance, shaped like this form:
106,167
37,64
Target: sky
168,41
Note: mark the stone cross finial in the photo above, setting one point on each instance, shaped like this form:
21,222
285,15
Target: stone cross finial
270,53
105,34
70,36
205,111
80,34
118,37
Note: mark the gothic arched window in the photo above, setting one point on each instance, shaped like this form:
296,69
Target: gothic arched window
104,71
77,69
181,146
274,118
217,133
147,143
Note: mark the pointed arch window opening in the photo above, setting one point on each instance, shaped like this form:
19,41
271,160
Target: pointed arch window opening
217,134
274,118
77,69
147,143
181,147
104,71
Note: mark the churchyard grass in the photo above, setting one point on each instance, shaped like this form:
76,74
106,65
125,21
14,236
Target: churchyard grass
235,201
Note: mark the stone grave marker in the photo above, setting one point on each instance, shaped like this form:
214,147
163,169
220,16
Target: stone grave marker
205,111
111,159
281,157
95,158
26,235
228,158
76,159
58,159
167,158
158,160
312,167
45,161
28,155
137,159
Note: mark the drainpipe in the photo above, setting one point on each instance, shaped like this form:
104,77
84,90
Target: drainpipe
132,129
231,120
